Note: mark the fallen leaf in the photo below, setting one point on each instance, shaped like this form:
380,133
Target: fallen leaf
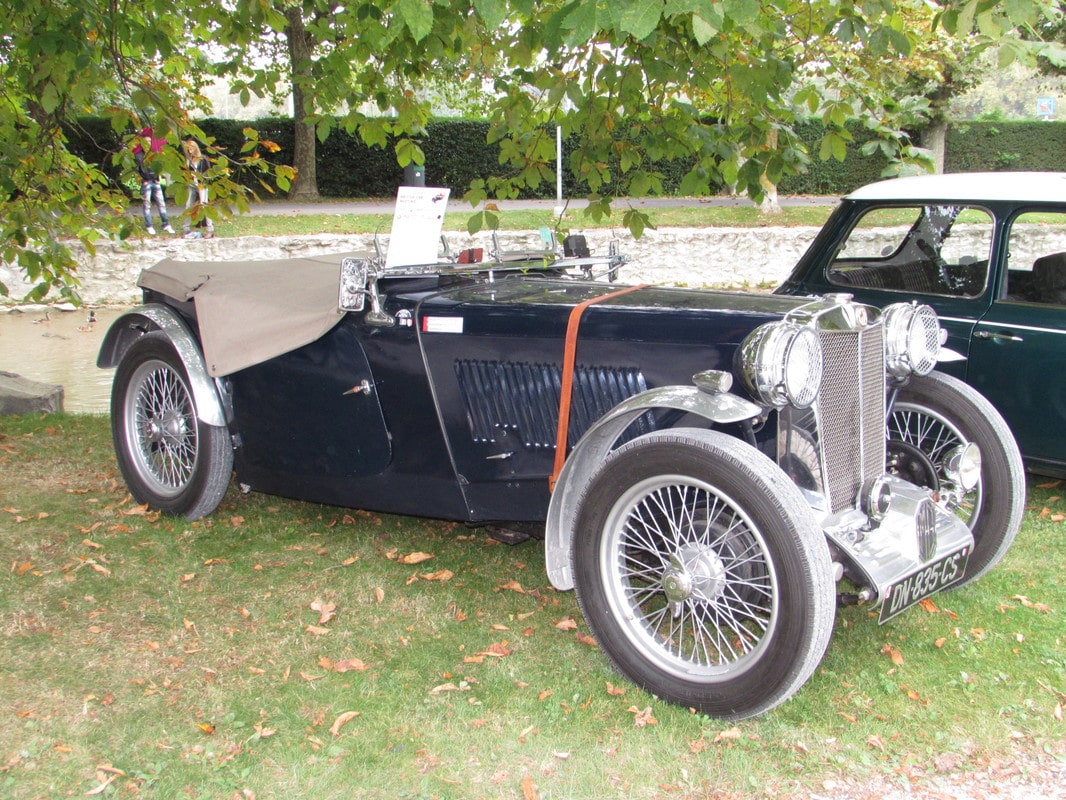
351,665
642,717
23,567
894,654
439,575
529,791
462,686
343,720
544,695
498,649
326,610
615,691
929,606
730,734
875,740
206,728
511,586
1025,601
567,624
379,594
415,558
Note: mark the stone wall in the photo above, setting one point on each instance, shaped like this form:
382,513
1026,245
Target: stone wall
694,257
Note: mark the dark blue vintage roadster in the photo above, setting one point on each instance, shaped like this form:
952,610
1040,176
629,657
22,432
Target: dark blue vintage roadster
712,472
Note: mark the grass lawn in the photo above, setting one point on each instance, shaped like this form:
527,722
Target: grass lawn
459,215
287,650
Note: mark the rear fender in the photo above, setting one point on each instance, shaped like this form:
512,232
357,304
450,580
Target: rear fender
157,317
600,439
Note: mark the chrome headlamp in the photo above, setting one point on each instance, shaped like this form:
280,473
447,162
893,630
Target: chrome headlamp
912,339
781,364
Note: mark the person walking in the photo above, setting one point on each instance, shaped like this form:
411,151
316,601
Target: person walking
151,188
198,166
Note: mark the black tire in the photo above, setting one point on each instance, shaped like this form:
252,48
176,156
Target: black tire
702,573
170,460
936,412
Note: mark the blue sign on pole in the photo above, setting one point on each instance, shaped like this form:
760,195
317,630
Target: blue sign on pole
1045,107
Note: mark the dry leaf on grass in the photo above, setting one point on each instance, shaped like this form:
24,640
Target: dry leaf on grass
343,720
439,575
1025,601
326,610
727,735
415,558
893,653
642,716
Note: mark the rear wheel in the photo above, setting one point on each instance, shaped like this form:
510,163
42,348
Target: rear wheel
170,460
702,573
933,414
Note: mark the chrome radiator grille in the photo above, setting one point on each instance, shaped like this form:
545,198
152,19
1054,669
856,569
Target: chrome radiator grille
850,412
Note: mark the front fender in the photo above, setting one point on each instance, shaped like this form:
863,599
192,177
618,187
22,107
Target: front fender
600,439
157,317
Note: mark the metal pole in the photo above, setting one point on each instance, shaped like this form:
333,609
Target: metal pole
558,170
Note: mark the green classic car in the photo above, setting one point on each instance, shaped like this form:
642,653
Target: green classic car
988,252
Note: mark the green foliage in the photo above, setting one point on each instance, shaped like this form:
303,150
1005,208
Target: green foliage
649,96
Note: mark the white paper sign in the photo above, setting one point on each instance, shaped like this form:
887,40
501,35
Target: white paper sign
416,225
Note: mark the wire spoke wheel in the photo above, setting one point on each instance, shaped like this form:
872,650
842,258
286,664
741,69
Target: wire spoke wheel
159,410
926,429
692,572
931,415
701,572
171,460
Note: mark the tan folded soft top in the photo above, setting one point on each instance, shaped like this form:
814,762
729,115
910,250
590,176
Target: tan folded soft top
252,311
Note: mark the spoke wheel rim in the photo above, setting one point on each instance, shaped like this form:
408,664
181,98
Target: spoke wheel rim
160,421
925,429
690,577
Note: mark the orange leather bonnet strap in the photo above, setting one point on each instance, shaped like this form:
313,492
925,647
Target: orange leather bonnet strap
567,387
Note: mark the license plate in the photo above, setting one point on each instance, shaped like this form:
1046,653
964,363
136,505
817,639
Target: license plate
919,585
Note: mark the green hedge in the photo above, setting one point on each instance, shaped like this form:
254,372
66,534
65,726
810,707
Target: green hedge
999,146
457,153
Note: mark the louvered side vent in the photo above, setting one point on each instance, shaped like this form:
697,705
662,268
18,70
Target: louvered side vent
851,412
523,399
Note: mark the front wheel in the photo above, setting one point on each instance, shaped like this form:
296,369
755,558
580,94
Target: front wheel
702,573
933,414
171,461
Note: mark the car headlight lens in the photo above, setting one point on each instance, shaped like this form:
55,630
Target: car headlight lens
912,339
781,364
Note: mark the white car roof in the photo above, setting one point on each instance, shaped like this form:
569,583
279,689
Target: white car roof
971,186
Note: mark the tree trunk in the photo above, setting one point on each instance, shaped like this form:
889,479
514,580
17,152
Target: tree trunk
934,139
305,187
770,204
